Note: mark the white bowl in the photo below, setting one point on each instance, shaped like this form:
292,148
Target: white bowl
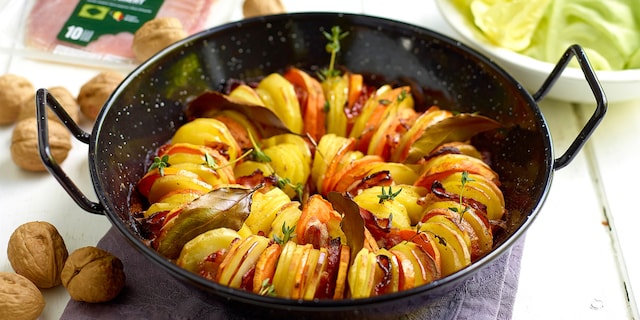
618,85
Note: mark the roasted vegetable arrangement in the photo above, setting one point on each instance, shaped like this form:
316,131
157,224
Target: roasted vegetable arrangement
324,187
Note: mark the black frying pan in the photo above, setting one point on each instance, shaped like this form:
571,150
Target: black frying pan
145,110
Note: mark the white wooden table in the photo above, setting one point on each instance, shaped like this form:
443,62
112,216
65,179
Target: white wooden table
579,261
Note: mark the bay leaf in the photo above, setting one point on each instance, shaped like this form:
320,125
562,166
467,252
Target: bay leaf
226,207
210,103
352,222
460,127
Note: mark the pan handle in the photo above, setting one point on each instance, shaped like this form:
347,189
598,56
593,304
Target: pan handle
44,98
598,93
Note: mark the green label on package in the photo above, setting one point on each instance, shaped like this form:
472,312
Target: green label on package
92,19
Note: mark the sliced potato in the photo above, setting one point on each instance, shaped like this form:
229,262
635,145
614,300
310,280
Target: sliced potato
196,250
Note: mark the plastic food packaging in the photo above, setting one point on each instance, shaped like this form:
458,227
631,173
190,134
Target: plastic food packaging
97,32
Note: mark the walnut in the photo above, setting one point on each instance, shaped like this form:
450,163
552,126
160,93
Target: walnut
64,97
13,90
254,8
93,275
24,144
96,91
37,251
20,299
155,35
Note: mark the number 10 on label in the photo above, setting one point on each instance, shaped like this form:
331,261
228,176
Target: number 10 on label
78,33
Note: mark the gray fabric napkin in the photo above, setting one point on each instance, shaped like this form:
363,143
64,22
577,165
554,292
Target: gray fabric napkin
151,293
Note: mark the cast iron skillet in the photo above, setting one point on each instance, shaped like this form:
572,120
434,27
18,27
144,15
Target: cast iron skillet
145,110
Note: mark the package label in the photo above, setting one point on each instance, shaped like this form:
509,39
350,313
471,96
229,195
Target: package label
94,18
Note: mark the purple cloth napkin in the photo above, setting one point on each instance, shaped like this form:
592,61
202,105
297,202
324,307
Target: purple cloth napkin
151,293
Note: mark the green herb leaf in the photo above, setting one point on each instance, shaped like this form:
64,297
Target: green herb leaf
333,47
287,234
299,190
267,289
210,161
402,96
463,180
284,182
388,196
160,164
385,102
257,154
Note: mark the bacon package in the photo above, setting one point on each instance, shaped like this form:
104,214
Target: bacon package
104,29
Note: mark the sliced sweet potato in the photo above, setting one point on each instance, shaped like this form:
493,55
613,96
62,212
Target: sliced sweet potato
352,173
343,268
266,266
312,101
335,162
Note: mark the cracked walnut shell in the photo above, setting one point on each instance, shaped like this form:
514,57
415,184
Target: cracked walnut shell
24,144
20,299
37,251
93,275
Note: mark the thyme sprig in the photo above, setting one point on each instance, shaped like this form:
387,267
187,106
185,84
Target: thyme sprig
464,179
298,187
257,154
160,164
403,95
267,289
211,162
287,234
333,47
384,196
